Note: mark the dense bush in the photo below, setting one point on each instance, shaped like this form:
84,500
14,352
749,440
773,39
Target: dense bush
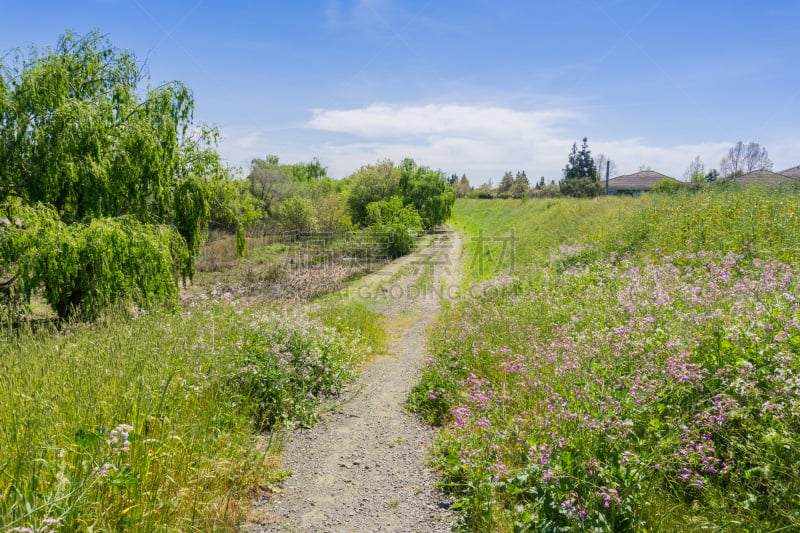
393,226
297,214
372,183
289,365
667,185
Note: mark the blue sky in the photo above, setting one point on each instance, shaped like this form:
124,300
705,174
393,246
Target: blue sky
468,86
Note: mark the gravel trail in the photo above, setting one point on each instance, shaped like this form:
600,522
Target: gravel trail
364,466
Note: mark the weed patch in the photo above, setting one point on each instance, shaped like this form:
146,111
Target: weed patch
638,379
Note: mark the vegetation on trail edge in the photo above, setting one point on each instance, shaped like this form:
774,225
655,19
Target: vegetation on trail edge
636,374
150,424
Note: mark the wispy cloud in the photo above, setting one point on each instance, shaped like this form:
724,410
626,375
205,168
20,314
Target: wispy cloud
421,121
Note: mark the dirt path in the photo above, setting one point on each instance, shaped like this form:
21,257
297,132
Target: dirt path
363,467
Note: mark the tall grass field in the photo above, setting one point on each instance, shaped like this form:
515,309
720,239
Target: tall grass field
161,422
634,367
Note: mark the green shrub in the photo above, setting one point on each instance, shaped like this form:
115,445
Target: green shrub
393,226
667,185
288,366
297,214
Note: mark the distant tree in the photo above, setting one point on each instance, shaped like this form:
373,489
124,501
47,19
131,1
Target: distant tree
731,164
604,162
311,171
270,183
463,187
521,185
504,189
742,159
548,191
540,184
696,171
484,191
756,158
297,214
580,174
453,179
332,213
713,175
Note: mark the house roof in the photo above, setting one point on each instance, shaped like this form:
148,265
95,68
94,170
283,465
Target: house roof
793,172
765,177
639,181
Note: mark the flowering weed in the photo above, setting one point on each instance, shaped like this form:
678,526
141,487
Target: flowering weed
642,386
149,424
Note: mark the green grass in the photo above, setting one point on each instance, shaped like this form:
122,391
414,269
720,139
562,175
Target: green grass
355,316
548,229
639,374
151,424
504,235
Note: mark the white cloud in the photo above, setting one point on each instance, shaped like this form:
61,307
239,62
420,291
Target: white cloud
485,141
458,138
481,141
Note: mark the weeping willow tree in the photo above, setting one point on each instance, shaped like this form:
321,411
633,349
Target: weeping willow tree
106,186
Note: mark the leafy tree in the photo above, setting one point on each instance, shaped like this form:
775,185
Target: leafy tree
372,183
521,185
82,265
504,189
105,161
270,183
297,214
313,170
332,213
463,187
713,175
427,191
580,174
485,191
393,225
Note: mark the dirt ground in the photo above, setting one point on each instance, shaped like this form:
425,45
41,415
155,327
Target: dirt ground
364,466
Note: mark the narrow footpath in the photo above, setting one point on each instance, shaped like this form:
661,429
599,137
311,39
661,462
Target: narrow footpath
363,468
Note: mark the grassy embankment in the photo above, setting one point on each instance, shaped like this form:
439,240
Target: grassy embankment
153,423
638,372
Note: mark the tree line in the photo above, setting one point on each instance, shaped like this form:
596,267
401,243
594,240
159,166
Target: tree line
583,176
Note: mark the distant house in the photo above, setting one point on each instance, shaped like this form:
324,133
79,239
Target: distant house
769,179
793,172
634,184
